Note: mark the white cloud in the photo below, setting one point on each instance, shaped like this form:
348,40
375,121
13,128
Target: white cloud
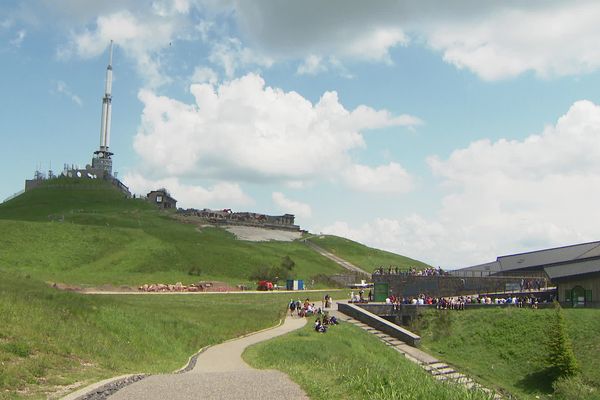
140,37
312,65
495,40
19,38
551,40
231,55
245,130
191,196
287,205
391,178
61,87
504,197
204,75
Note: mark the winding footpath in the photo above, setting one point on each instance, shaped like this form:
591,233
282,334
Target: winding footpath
221,373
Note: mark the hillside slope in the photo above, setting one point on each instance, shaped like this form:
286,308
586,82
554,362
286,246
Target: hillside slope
363,256
91,235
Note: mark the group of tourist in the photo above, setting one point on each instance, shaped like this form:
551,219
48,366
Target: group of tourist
359,297
322,323
412,271
307,309
533,284
303,309
458,302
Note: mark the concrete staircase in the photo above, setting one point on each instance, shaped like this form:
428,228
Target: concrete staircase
438,369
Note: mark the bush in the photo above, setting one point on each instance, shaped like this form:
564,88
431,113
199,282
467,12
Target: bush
573,388
195,271
561,360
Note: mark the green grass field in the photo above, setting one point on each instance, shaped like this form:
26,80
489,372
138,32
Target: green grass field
504,347
51,338
92,236
348,363
362,256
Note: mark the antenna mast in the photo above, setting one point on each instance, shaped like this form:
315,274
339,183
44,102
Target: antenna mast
102,156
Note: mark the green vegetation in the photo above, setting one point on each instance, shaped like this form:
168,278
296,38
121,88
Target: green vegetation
507,348
51,338
561,361
348,363
364,257
92,235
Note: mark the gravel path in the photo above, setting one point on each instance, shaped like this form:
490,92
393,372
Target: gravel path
220,373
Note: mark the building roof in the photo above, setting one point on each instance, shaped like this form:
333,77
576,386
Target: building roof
572,269
492,267
549,256
541,258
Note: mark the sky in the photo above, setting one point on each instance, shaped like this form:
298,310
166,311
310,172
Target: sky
450,132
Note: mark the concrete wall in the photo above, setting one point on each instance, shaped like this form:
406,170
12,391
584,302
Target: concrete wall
379,323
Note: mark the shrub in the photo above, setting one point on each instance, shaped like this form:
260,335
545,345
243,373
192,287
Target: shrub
561,360
573,388
195,271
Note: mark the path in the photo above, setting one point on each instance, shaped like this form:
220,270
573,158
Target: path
340,261
221,373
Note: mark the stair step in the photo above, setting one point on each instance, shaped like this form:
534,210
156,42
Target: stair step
435,365
442,371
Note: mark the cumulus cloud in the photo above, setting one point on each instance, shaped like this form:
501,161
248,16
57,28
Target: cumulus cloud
243,129
17,41
140,37
495,40
62,88
391,178
204,75
504,197
191,196
287,205
231,55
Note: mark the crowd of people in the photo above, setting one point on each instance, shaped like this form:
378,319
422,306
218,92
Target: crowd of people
305,308
412,271
458,302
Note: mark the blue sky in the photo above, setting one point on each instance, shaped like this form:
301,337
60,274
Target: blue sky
448,132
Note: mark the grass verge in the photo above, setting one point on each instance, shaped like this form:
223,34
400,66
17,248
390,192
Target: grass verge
505,347
50,339
348,363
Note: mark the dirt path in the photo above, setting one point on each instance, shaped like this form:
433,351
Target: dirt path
220,373
340,261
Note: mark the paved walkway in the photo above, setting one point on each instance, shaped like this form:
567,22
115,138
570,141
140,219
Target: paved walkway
220,373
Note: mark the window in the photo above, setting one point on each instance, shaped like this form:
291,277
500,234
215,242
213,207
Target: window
159,199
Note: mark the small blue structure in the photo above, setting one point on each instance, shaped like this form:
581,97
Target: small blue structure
292,284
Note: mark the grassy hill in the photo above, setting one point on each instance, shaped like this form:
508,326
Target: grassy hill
363,256
505,347
86,232
92,235
50,339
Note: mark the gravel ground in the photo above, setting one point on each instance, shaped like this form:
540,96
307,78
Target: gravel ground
262,235
244,384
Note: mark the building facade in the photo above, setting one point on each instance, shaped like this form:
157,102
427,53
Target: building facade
162,199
